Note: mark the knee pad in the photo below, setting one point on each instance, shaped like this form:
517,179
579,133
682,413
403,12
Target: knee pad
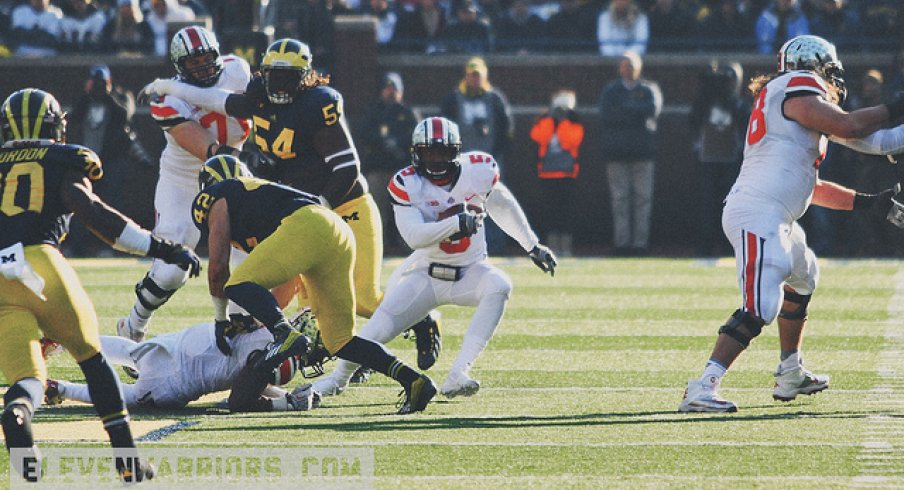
151,295
801,300
743,327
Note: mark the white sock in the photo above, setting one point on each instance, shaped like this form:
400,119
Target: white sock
791,362
480,331
74,391
713,374
344,371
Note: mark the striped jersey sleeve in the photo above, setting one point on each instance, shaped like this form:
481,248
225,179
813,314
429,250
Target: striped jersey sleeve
168,111
397,192
806,83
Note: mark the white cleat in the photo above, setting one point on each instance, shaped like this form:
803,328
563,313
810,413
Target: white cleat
329,386
699,398
459,384
797,381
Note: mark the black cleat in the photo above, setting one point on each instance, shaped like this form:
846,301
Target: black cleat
133,470
25,458
428,340
416,397
362,374
287,342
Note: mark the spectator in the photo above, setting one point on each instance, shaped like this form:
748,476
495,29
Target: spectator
836,20
237,16
558,134
36,28
896,81
197,7
383,140
127,31
671,26
470,33
622,27
386,20
629,109
573,27
885,19
102,121
518,30
280,18
726,28
780,22
82,26
421,30
718,119
161,14
317,27
484,118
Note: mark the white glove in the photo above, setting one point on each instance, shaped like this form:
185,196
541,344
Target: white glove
155,90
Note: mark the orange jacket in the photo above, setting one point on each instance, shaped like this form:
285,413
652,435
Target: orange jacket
570,135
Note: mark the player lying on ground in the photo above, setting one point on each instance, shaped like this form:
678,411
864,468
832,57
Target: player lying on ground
439,202
180,367
45,182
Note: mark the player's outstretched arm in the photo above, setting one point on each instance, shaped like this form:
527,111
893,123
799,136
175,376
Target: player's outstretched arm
507,213
117,230
814,112
209,98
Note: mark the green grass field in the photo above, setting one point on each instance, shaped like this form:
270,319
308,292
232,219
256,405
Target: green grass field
581,385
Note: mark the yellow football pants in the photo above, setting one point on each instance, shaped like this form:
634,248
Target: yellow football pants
317,244
363,218
67,316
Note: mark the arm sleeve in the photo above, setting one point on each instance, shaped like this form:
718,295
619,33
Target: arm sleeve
419,234
882,142
211,99
507,213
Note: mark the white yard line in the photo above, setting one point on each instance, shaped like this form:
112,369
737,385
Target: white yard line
446,443
881,458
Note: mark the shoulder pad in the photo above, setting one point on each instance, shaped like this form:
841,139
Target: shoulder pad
482,165
84,160
238,64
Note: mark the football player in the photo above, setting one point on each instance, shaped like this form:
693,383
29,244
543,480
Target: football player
440,201
796,111
190,132
300,122
286,233
43,181
179,367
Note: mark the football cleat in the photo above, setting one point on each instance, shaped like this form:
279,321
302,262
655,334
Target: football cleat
699,398
415,397
428,339
52,393
459,385
287,342
797,381
329,386
362,374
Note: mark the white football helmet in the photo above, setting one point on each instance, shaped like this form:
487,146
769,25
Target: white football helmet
194,41
435,146
815,54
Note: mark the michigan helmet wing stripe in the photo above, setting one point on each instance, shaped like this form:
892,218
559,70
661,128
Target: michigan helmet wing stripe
36,132
12,122
26,95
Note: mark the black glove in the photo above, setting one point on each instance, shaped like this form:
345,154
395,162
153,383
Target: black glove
544,259
174,253
876,203
260,164
468,224
223,330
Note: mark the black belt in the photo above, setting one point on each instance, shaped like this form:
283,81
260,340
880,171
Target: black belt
444,272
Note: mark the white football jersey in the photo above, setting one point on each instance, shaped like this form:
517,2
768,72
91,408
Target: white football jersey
201,367
781,157
479,173
171,111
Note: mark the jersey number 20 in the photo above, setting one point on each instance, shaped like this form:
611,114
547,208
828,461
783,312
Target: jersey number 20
34,198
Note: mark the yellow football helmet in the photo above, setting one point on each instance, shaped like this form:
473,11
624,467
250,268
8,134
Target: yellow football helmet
219,168
286,64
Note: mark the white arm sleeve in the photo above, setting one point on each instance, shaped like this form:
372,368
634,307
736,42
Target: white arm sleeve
507,213
883,142
419,234
211,99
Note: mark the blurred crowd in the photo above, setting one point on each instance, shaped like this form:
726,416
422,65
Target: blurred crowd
608,27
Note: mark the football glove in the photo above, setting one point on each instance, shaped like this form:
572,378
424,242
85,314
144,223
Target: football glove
223,331
174,253
544,259
154,90
468,224
258,162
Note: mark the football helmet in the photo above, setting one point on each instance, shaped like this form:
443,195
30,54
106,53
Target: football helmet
286,64
219,168
305,322
815,54
32,114
195,42
435,146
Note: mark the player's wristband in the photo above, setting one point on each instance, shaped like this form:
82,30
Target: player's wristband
219,308
133,239
864,201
